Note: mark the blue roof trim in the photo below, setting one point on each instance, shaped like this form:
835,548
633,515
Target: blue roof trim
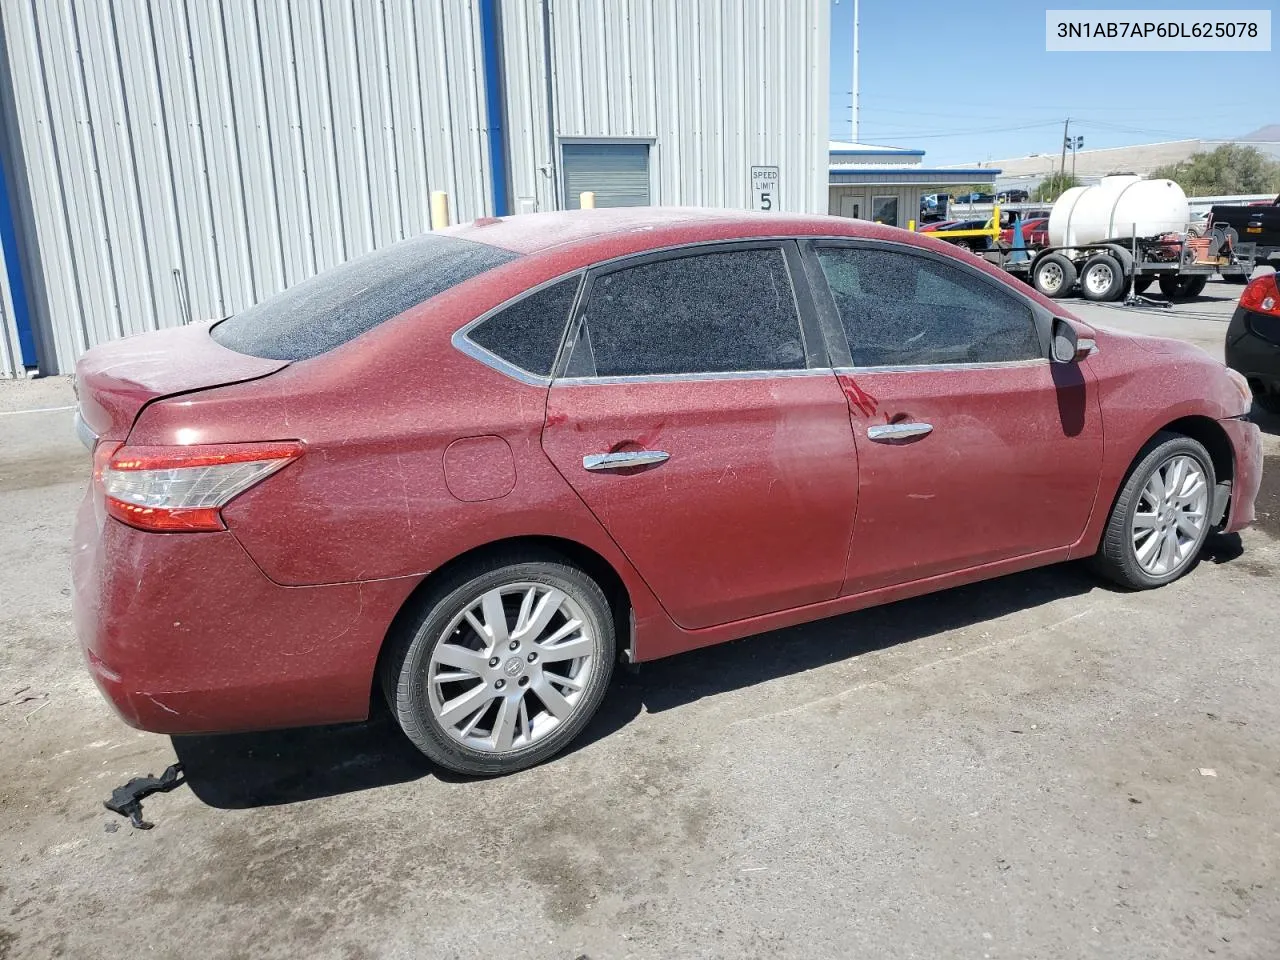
853,169
492,57
884,152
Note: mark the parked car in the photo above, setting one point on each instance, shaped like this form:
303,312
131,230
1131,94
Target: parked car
1035,233
967,243
1253,340
975,198
935,226
1254,223
1013,196
468,470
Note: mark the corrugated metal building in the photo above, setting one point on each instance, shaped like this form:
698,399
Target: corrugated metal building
168,161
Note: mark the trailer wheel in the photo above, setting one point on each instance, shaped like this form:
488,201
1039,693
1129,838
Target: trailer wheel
1141,282
1102,278
1053,275
1182,287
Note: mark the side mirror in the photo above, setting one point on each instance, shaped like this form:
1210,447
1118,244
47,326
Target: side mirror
1064,348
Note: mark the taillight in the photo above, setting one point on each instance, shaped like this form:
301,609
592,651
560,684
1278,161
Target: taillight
185,488
1262,296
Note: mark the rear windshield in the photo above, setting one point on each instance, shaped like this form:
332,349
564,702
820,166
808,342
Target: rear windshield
338,305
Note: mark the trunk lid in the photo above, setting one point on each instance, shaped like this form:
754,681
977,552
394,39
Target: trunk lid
114,381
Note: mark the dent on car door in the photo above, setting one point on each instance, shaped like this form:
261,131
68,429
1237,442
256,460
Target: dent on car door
698,419
973,448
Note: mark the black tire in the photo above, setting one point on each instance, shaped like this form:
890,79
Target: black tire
1116,559
1102,278
1182,287
1270,401
1057,268
419,630
1235,278
1142,282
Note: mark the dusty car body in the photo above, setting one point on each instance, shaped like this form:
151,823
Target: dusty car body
869,454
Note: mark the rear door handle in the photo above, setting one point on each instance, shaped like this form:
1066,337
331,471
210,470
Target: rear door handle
621,461
885,432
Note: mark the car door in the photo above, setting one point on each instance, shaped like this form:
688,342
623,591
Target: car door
697,416
972,447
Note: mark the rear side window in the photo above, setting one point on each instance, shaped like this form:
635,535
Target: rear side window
527,333
900,309
708,313
329,309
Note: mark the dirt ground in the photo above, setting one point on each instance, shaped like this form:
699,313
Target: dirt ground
1035,767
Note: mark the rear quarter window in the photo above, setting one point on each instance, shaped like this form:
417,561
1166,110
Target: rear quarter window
331,308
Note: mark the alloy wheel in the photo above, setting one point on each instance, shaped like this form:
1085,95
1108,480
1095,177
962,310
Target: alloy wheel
1171,514
511,667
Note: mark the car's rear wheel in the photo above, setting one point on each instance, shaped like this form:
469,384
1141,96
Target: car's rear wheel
501,665
1102,278
1161,518
1268,401
1053,275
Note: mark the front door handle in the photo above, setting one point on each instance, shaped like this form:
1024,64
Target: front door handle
621,461
887,432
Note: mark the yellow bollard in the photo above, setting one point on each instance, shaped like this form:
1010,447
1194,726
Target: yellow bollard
587,200
439,209
911,225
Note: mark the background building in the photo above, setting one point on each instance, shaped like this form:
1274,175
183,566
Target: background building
885,183
166,162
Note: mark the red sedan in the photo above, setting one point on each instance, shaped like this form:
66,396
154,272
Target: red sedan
1035,233
472,470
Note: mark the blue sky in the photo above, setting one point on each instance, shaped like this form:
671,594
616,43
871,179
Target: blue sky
972,81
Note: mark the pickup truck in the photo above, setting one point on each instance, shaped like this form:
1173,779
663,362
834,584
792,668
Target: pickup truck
1257,223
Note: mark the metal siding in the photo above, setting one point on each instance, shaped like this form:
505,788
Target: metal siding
717,86
202,154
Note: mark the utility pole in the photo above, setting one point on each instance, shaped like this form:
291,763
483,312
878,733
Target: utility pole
1066,127
854,136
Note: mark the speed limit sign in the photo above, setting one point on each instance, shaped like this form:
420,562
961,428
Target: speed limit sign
764,188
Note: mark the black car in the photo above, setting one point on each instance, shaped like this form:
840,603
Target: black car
1013,196
1253,340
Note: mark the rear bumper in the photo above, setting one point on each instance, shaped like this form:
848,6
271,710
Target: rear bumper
1246,442
1251,355
184,634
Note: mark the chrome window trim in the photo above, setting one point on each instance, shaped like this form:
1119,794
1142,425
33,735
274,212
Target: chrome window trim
493,361
948,367
466,345
683,377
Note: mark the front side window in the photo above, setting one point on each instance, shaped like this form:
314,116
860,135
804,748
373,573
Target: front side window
901,309
527,333
707,313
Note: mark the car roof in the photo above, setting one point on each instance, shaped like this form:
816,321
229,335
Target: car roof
653,227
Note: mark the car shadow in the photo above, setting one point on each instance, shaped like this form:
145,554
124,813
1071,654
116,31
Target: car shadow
237,771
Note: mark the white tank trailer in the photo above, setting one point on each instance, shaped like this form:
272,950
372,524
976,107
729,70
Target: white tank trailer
1118,208
1120,236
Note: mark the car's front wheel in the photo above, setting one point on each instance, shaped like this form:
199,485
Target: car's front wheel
501,665
1161,518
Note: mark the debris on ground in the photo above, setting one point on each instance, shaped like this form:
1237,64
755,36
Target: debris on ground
127,800
1208,772
22,695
